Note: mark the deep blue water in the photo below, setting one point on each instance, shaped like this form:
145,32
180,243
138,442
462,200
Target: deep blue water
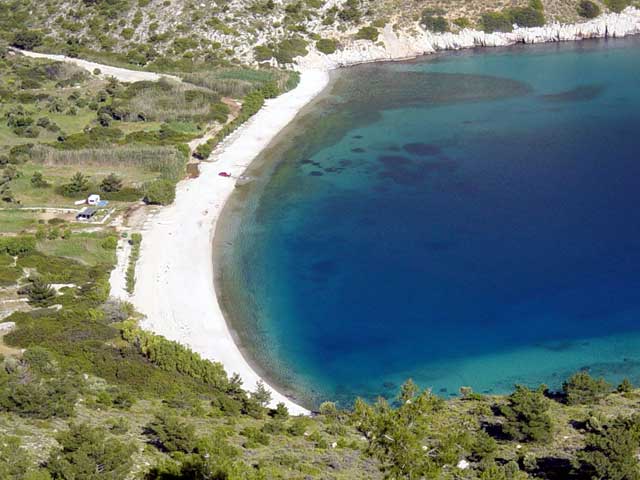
468,219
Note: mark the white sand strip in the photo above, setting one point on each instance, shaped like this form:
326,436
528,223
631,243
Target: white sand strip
122,74
175,288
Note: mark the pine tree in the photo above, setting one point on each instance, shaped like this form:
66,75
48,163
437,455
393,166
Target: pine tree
111,183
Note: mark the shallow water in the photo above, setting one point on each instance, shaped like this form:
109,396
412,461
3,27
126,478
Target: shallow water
467,219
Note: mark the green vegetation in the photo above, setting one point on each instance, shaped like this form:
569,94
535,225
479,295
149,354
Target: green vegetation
368,33
617,5
503,21
135,241
588,9
582,389
432,21
327,45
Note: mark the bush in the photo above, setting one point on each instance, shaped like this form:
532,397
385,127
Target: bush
160,192
27,39
527,17
327,45
40,293
37,399
617,5
496,22
526,415
78,184
368,33
18,246
90,453
290,48
462,22
610,453
588,9
110,243
582,389
262,53
111,183
433,23
170,434
38,181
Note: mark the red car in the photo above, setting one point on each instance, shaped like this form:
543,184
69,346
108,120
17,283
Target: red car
224,174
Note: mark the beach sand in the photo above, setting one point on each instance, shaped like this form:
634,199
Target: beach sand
175,275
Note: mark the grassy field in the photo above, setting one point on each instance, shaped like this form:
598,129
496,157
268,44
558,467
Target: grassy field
86,248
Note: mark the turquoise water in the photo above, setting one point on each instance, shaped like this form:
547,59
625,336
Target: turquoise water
470,218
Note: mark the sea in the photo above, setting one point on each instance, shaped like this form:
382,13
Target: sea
468,218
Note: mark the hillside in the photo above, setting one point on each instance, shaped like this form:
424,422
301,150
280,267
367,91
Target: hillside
166,35
85,393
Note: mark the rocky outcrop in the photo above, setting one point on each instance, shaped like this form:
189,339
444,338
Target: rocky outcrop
399,45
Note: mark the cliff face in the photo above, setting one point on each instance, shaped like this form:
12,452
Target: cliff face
398,45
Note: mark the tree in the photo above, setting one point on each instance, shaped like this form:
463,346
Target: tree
90,454
526,415
38,181
582,389
79,183
160,192
171,434
111,183
262,395
610,453
588,9
40,293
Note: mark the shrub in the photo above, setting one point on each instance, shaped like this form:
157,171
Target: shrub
18,246
527,17
582,389
368,33
38,399
111,183
617,5
526,415
433,23
38,181
327,45
610,452
588,9
27,39
40,293
160,192
89,452
110,243
290,48
170,434
77,185
496,22
625,386
262,53
462,22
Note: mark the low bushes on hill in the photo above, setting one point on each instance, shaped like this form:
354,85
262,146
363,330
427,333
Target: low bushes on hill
368,33
327,45
617,5
434,23
588,9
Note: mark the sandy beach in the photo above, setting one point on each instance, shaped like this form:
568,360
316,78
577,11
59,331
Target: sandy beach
175,276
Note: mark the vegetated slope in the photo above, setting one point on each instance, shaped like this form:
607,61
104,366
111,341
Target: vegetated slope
162,34
86,394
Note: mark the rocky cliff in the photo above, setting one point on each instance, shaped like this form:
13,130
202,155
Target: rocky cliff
400,45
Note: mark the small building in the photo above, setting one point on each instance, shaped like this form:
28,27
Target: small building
93,199
86,214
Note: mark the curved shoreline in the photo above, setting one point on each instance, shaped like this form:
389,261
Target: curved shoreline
176,289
